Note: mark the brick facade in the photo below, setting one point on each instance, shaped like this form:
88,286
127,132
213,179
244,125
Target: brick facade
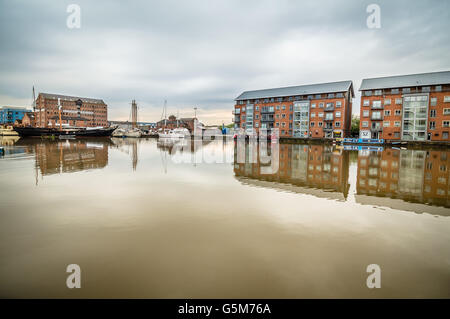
76,111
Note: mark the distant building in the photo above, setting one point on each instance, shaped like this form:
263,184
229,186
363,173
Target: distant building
127,124
407,107
11,114
318,110
172,122
75,111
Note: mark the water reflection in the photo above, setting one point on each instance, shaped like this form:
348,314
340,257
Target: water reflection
320,170
401,177
414,176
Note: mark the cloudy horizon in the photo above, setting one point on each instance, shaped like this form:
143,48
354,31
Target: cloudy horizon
205,53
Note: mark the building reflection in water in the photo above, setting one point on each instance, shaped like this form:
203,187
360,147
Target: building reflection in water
319,170
409,180
66,156
128,146
412,176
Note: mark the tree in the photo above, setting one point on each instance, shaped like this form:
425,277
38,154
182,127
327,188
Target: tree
354,131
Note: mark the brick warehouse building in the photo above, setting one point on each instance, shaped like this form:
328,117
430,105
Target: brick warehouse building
406,107
75,111
318,110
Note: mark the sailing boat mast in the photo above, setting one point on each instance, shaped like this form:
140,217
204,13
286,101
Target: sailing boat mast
34,101
165,114
59,113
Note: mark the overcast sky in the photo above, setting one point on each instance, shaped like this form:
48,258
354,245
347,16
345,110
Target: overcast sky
205,53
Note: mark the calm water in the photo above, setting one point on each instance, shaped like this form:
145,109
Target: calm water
142,220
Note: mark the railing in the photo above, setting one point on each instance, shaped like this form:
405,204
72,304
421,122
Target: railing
329,108
376,118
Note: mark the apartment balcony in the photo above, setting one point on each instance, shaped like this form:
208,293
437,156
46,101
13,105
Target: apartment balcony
376,129
376,118
267,119
328,118
329,109
237,119
376,107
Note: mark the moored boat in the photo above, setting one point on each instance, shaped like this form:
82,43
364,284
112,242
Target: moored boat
78,132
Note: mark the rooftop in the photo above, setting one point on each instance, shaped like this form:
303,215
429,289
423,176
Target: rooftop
70,98
398,81
309,89
15,108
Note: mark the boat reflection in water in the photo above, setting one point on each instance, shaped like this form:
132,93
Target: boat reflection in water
405,179
408,180
66,156
319,170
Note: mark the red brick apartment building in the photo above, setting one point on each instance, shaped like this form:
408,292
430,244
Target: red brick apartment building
318,110
407,107
75,111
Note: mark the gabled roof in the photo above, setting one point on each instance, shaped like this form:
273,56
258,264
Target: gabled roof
398,81
70,98
320,88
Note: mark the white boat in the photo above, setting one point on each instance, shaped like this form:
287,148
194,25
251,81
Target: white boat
177,133
135,132
8,131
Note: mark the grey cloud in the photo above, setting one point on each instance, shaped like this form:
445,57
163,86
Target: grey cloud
205,53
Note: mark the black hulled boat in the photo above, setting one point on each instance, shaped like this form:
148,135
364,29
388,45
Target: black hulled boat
78,132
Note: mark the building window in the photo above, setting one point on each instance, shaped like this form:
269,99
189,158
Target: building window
313,114
376,115
283,116
366,102
446,111
396,134
397,123
366,113
256,116
339,94
398,112
278,107
398,101
378,92
313,105
438,88
387,102
432,125
312,124
433,101
447,98
406,90
284,107
367,93
337,124
387,112
320,114
338,114
426,89
256,124
445,123
338,103
320,124
331,95
365,124
291,107
278,116
433,113
445,135
257,108
321,104
283,124
395,91
386,124
318,96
